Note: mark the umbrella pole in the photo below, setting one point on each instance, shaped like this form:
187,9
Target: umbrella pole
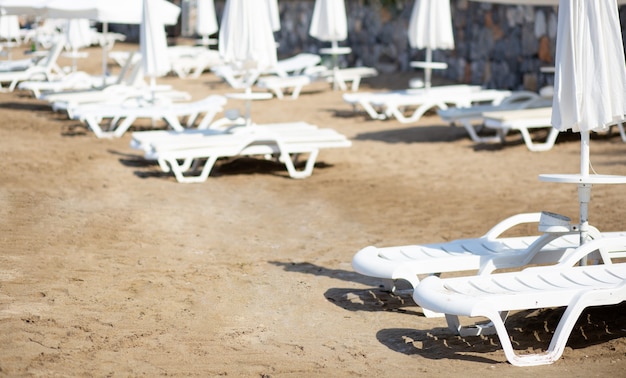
428,70
335,63
153,87
248,105
105,32
584,190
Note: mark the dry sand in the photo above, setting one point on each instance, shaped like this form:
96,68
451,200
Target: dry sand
111,268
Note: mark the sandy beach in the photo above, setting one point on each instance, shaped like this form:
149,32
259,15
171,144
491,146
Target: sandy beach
110,267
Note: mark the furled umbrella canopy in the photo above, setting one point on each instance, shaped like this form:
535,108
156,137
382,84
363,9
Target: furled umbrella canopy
9,30
590,84
153,43
9,27
206,20
274,14
430,28
329,22
590,81
246,39
77,35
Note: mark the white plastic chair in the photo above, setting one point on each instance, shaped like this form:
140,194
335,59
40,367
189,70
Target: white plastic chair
562,285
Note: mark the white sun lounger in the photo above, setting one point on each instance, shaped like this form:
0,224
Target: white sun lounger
294,83
279,85
192,61
481,255
523,120
81,80
133,89
78,80
353,75
295,65
191,156
45,69
561,285
119,117
16,65
145,140
472,117
393,104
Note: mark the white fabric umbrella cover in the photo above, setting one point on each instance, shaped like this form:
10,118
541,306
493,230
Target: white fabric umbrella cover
206,20
430,25
246,38
153,44
430,28
329,22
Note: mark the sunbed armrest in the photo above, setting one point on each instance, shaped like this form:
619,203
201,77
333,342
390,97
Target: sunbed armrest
511,222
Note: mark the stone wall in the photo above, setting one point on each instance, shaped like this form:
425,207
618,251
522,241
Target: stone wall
496,46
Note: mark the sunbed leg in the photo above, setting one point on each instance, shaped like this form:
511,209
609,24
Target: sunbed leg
207,120
474,330
308,168
122,127
538,147
467,124
191,119
620,126
179,171
95,127
173,122
296,92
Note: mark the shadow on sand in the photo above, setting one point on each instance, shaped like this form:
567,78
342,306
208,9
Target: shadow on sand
530,330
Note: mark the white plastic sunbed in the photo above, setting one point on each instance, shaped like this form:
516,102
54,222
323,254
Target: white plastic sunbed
481,255
472,117
561,285
113,120
192,155
81,80
133,88
295,83
523,120
295,65
16,65
45,69
192,61
342,76
394,104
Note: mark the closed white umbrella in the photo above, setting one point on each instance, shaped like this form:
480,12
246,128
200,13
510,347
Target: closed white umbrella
246,40
9,30
9,27
153,44
274,14
77,35
206,20
329,22
430,28
590,84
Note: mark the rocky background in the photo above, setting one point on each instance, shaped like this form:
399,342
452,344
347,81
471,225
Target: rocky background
497,46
